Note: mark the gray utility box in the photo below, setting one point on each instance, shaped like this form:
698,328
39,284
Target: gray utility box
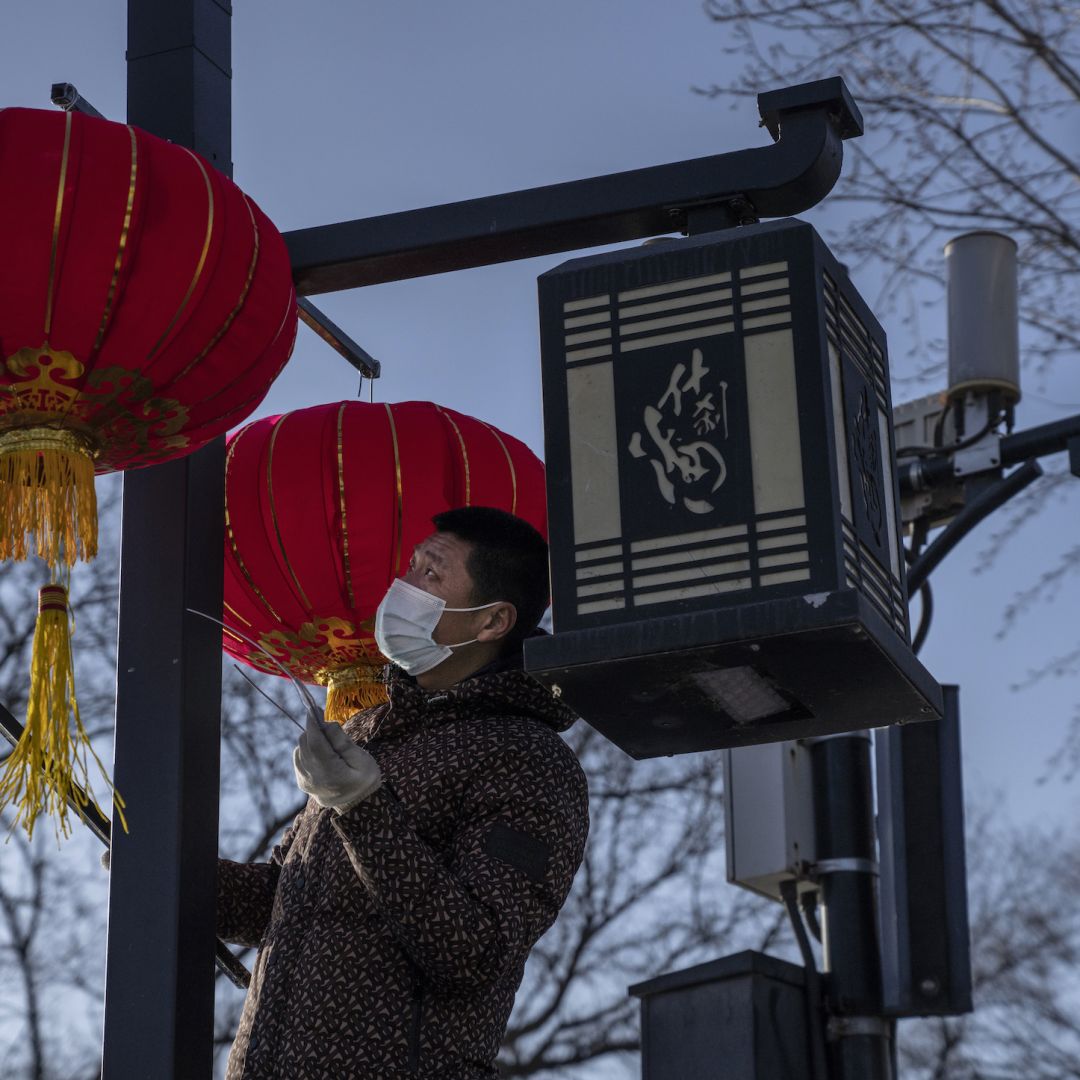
743,1017
769,814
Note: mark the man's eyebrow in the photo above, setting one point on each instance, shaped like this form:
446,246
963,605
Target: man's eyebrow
432,554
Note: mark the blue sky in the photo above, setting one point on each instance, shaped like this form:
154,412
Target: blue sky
348,109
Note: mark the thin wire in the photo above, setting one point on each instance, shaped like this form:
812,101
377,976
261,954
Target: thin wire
313,711
277,705
925,618
939,448
808,902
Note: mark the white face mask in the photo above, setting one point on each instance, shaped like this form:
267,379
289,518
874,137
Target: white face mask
405,622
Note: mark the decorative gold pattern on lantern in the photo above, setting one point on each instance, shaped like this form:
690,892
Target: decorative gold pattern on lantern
39,388
305,652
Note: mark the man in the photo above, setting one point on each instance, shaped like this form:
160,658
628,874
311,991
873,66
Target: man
441,837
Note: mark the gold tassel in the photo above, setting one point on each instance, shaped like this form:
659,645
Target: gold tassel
47,502
50,767
351,689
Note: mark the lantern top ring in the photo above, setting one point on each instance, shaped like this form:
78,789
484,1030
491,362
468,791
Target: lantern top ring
52,598
47,438
351,688
344,677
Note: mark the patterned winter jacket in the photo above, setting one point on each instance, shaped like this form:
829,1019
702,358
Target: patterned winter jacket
392,938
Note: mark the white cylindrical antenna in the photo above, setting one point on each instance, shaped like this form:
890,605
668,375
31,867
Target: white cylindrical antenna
984,333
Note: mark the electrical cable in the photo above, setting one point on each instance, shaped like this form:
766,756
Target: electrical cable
935,447
920,529
808,903
919,532
926,615
815,1019
963,444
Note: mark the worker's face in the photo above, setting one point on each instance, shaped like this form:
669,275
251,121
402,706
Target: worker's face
439,566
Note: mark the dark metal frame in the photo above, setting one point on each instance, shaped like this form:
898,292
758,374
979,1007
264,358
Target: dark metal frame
159,994
338,340
159,985
159,980
846,866
65,96
809,123
926,956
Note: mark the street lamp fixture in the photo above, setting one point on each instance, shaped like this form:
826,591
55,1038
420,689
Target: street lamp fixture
727,567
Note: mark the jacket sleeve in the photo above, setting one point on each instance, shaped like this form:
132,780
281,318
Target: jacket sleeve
245,895
465,914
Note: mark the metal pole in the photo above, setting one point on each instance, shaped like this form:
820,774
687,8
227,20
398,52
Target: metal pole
159,986
847,867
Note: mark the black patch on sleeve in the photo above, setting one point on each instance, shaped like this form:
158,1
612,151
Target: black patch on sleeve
520,850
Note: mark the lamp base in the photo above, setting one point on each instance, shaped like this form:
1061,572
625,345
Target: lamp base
756,673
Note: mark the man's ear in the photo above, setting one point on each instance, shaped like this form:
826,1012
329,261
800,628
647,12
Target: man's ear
498,622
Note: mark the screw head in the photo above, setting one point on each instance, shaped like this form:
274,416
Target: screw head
667,723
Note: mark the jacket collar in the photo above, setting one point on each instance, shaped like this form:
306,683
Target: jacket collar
500,689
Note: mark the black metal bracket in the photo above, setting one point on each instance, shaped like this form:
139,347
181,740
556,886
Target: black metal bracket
1059,436
101,827
338,340
1052,438
66,97
979,508
809,123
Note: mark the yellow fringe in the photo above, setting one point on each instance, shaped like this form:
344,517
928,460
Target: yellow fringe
352,689
48,506
50,767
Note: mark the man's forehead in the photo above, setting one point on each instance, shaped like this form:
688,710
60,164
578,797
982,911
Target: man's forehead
443,547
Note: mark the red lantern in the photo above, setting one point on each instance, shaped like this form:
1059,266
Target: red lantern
323,508
146,305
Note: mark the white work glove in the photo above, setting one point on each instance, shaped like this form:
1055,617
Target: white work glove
331,768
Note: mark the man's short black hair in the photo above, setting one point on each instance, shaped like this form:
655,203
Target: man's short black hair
508,561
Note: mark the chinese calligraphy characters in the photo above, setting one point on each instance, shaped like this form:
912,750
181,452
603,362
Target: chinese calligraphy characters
688,467
867,456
